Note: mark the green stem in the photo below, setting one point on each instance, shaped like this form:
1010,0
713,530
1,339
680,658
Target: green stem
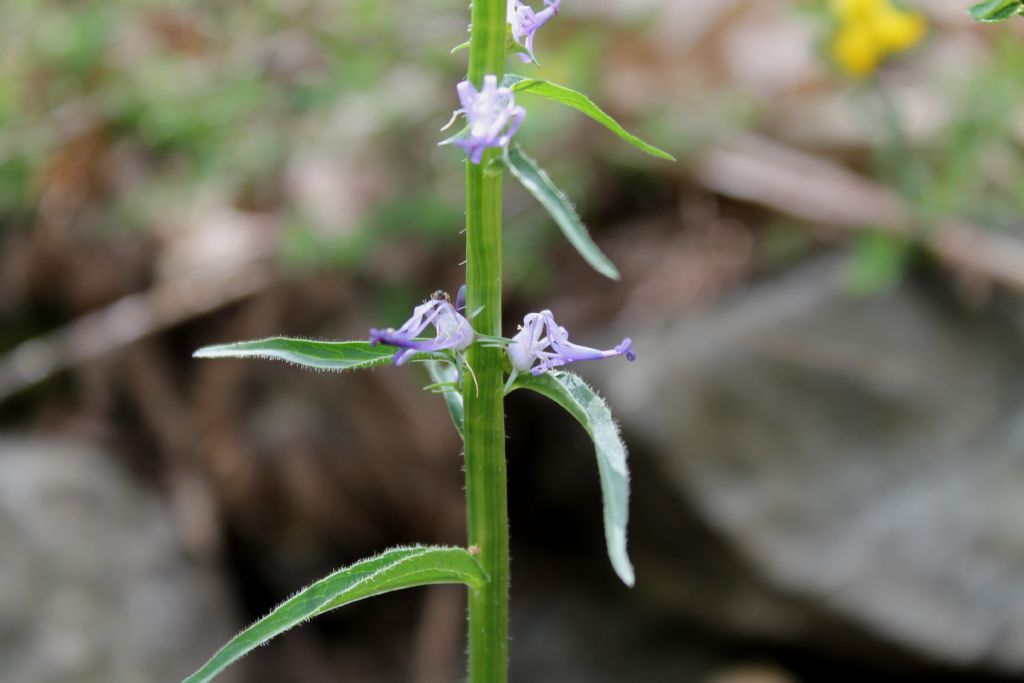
486,481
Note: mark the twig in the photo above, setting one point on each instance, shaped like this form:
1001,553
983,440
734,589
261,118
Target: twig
128,320
805,186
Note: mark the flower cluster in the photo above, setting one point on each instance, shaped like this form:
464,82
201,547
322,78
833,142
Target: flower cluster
542,344
492,115
492,118
869,31
453,329
525,22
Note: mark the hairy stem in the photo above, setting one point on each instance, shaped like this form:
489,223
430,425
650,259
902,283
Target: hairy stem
486,480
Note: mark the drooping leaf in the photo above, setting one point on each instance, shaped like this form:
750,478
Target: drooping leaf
392,570
537,183
582,104
443,374
591,411
996,10
307,353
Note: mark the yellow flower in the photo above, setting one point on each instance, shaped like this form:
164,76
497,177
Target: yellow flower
871,30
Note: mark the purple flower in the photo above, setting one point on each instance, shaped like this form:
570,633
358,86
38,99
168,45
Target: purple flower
492,117
542,339
525,22
453,330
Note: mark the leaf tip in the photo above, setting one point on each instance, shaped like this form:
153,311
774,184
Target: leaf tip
993,11
611,272
622,566
204,352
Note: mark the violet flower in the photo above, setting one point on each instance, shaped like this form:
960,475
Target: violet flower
525,22
542,339
492,117
453,330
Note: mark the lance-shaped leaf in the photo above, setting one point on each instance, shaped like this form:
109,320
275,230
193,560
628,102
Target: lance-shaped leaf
389,571
307,353
582,104
591,411
444,377
996,10
537,183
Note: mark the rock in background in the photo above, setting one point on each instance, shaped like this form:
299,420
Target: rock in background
856,465
94,587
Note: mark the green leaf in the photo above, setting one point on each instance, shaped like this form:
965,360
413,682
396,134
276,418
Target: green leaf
996,10
445,374
537,183
307,353
391,570
591,411
582,104
877,264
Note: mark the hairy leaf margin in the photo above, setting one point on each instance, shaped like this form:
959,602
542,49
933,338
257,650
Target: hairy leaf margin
334,356
591,411
390,571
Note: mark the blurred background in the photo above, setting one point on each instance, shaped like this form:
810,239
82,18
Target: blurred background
825,293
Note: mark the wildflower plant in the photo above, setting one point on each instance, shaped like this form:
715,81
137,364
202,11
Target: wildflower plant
471,364
859,37
867,32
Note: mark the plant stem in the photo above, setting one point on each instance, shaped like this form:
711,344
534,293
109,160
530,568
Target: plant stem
486,481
